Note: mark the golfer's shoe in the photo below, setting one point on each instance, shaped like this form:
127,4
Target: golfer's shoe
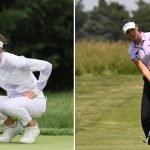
11,132
147,139
30,135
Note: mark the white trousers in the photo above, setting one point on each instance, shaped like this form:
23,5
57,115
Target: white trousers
21,108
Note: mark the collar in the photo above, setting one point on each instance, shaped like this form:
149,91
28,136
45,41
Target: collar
142,41
143,36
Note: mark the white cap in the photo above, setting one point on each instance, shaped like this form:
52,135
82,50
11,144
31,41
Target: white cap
127,26
1,44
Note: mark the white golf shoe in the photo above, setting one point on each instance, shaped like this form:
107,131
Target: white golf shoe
11,132
30,135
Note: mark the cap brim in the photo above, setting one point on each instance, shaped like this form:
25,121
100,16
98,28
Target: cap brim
127,26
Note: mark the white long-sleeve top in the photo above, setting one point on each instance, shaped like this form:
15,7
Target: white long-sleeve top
16,74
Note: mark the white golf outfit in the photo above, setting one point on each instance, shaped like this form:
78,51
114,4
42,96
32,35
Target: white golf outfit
16,77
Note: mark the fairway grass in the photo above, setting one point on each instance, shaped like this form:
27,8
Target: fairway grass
43,143
108,113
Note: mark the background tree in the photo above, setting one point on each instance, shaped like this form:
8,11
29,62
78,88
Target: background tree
80,18
141,15
104,21
43,30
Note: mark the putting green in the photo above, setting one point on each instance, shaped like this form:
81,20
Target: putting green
43,143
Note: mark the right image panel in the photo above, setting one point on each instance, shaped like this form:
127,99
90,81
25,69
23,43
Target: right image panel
112,74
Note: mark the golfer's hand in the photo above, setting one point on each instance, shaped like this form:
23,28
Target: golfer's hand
30,94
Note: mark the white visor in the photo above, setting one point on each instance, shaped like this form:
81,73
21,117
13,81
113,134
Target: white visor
1,44
127,26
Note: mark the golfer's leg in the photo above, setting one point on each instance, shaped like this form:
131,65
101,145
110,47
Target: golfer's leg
23,108
13,109
13,128
145,113
3,116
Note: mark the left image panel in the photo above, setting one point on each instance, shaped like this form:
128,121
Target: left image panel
36,74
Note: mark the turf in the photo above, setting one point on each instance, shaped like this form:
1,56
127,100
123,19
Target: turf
108,113
43,143
59,111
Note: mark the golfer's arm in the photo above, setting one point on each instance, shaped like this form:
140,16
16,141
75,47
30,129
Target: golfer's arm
144,70
43,67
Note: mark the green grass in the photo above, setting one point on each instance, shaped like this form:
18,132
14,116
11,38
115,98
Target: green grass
59,112
43,143
103,57
108,113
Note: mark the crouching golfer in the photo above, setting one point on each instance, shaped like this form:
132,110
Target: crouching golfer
139,53
25,99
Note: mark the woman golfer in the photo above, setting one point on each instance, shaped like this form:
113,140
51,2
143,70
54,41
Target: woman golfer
139,53
25,99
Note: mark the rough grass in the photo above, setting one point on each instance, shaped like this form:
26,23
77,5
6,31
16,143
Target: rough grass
58,118
59,112
103,57
108,113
